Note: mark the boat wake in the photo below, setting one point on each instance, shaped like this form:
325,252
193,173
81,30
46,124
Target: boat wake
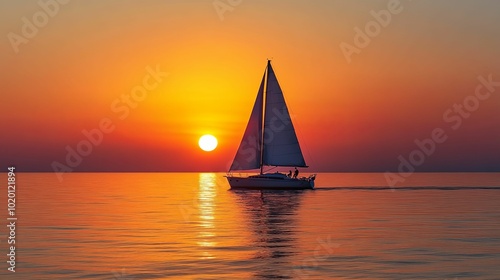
413,188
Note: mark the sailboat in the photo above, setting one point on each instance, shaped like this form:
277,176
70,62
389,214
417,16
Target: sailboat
269,140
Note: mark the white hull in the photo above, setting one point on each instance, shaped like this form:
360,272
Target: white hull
271,181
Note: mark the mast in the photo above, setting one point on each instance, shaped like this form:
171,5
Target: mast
264,102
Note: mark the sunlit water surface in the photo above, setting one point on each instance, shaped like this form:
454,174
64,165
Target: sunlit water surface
190,226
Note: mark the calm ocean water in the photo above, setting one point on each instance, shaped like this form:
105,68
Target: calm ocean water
190,226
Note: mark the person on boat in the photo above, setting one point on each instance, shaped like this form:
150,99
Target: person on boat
289,174
295,173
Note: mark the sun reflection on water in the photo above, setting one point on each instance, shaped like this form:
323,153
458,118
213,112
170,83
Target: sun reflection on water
206,208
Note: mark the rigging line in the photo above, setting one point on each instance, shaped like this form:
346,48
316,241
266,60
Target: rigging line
274,167
263,123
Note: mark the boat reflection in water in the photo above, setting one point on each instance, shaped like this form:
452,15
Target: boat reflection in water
272,219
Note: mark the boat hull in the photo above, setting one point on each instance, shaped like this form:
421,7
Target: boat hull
260,183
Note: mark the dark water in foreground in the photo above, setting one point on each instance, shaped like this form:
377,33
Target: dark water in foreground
189,226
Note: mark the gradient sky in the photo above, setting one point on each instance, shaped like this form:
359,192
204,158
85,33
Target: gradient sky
357,116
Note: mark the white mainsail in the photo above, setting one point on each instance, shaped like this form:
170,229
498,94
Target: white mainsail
248,154
281,146
269,137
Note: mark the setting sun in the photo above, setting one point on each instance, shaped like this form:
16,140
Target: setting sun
207,142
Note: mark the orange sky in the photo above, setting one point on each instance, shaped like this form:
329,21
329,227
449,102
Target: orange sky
350,116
